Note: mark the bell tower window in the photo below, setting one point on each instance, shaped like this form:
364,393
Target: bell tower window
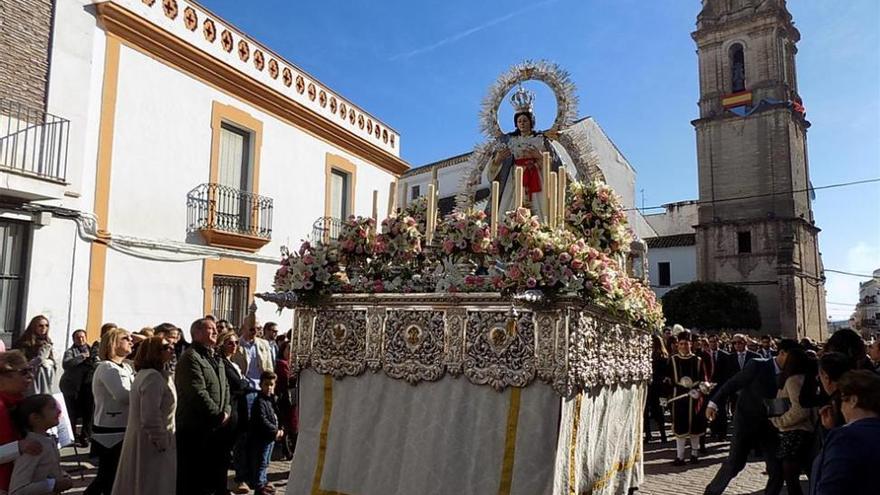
737,68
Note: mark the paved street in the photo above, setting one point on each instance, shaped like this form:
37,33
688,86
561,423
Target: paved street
662,477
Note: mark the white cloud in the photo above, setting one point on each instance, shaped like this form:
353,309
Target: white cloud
467,32
840,288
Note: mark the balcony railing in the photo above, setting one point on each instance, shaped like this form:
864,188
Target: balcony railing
33,142
326,229
229,217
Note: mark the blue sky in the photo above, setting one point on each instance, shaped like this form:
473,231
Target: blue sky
424,66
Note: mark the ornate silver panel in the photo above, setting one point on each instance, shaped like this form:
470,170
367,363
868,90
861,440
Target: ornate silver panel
340,342
414,345
305,318
456,322
375,322
546,323
568,344
500,351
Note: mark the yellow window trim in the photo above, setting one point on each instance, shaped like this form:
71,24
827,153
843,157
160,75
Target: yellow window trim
336,162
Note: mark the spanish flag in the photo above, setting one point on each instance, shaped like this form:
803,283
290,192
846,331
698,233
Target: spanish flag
737,99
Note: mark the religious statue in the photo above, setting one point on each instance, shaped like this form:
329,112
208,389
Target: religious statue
523,148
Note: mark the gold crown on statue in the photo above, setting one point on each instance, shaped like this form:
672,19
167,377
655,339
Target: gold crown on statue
522,100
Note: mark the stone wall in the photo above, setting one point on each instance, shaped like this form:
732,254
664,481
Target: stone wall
25,37
783,271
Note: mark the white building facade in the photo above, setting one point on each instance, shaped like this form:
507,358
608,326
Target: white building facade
195,153
672,252
867,313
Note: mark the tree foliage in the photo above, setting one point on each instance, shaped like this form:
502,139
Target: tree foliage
712,306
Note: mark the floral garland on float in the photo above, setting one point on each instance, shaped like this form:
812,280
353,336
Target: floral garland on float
577,258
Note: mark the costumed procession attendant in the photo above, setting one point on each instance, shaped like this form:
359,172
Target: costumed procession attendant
523,149
687,370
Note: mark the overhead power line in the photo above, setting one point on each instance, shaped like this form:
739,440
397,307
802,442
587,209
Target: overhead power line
765,195
851,274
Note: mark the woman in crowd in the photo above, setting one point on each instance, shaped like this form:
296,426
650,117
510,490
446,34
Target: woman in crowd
657,388
39,474
227,344
795,425
37,348
76,385
148,463
832,366
848,463
848,342
15,379
111,384
686,370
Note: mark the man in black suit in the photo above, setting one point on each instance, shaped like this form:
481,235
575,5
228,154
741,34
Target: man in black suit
751,426
720,361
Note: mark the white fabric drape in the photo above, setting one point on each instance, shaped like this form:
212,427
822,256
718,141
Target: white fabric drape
386,437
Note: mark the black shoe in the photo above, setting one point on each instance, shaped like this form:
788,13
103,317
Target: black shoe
702,451
694,460
678,462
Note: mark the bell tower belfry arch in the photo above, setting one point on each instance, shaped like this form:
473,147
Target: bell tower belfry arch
755,220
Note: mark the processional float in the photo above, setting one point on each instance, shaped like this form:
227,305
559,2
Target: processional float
470,353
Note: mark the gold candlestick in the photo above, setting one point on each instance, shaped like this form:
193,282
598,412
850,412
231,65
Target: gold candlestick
545,176
560,208
551,196
518,187
392,198
493,223
429,220
375,205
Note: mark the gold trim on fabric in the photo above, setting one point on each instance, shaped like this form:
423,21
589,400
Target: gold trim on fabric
618,468
572,446
322,439
510,442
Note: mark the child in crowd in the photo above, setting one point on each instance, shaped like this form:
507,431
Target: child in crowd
39,474
263,432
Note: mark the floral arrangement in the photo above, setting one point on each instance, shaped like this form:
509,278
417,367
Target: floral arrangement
464,233
356,237
400,240
311,272
577,260
418,209
593,211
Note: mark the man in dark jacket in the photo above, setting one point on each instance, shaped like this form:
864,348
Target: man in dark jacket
203,406
76,385
752,428
720,360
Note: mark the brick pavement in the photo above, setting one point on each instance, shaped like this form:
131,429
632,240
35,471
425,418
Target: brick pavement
662,478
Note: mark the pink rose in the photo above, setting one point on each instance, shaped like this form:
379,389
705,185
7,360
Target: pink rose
531,282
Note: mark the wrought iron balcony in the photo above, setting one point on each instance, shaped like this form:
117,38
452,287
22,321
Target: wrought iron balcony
326,229
229,217
33,142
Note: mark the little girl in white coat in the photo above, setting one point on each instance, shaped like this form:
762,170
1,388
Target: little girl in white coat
39,474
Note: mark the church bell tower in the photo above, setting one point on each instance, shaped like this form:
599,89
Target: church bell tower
755,220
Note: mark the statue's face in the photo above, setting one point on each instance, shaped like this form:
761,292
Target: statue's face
524,124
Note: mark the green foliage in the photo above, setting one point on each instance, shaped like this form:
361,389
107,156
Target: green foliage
712,306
